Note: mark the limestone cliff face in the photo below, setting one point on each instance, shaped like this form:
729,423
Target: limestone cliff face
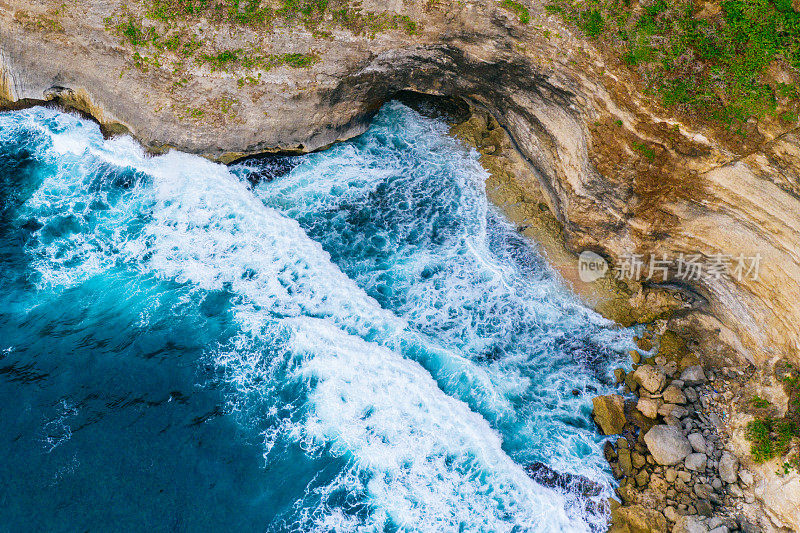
619,173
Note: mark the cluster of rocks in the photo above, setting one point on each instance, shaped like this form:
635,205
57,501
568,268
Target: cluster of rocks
673,469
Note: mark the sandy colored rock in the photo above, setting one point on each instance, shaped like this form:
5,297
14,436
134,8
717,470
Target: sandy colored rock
689,524
693,375
650,378
648,407
746,477
637,519
673,394
609,413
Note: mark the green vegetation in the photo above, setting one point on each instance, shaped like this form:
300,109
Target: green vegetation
518,9
195,112
368,23
167,26
715,63
134,33
759,402
244,12
295,60
228,60
770,437
313,14
645,150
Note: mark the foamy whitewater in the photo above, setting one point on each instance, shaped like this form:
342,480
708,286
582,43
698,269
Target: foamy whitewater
351,340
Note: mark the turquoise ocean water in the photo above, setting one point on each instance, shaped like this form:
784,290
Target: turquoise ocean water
351,340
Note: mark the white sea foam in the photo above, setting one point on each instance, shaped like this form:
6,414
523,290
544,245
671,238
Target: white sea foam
432,463
422,458
456,281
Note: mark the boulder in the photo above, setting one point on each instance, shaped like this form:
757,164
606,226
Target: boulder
728,467
673,394
689,524
671,514
648,407
637,519
609,413
704,507
667,444
696,462
698,442
563,481
626,461
638,460
747,477
693,375
650,378
702,491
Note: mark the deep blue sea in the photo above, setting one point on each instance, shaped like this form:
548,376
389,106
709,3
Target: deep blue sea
350,340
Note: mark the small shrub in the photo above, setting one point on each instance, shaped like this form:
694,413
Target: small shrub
221,60
295,60
645,150
770,438
134,33
759,402
593,23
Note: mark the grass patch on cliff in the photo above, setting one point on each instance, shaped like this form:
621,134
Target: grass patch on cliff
770,437
166,27
645,150
717,63
368,23
313,14
518,9
228,60
149,44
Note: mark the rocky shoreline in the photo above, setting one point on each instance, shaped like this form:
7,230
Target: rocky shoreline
674,458
669,458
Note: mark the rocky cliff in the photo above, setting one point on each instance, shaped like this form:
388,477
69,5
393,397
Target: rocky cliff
620,174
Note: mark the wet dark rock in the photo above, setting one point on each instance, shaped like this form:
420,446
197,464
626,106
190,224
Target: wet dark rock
266,168
571,483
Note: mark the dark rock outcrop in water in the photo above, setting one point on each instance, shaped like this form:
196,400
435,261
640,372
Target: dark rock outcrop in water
569,483
573,485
